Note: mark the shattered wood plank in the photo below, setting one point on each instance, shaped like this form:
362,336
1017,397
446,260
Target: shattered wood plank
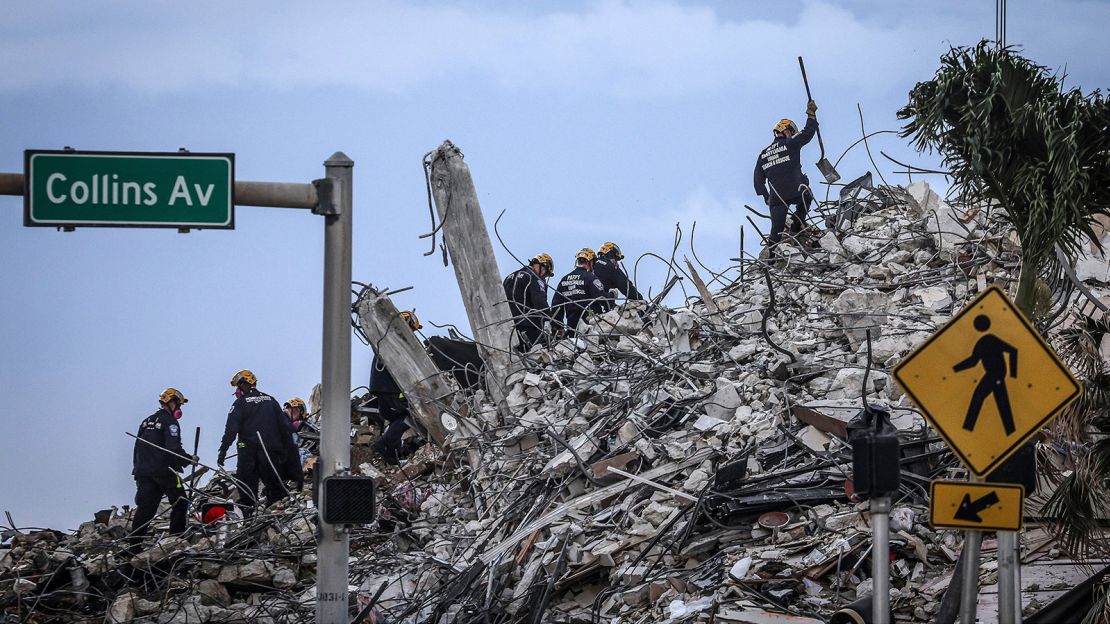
492,554
466,237
408,362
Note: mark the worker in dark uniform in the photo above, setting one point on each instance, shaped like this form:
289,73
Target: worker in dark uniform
580,292
607,267
526,291
779,178
157,458
392,404
265,442
296,411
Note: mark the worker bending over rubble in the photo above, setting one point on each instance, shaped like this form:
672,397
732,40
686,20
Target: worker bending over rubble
526,291
392,404
580,292
265,443
779,178
607,268
297,413
157,460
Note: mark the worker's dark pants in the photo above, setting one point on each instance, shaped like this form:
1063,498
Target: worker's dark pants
779,211
148,493
394,408
528,334
254,466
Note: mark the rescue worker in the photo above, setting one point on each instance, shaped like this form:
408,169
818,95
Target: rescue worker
296,410
779,178
526,291
392,404
265,442
579,292
157,459
607,268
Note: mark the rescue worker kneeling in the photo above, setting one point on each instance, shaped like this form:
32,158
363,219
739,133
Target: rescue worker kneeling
579,293
265,442
157,459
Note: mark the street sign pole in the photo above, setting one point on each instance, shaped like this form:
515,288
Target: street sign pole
332,567
969,593
1009,578
880,559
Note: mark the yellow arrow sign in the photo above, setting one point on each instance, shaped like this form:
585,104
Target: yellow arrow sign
986,381
982,506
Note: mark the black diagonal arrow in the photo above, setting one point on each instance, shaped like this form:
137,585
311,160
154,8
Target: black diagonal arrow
969,511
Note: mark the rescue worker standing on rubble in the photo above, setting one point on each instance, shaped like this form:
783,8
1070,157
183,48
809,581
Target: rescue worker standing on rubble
607,267
580,292
526,291
779,178
392,404
265,442
158,458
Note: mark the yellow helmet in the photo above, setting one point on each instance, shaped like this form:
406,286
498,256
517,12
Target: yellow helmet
586,254
545,261
244,375
410,318
297,402
785,124
610,247
172,394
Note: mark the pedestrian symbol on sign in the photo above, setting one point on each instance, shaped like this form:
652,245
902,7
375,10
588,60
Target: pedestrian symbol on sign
991,352
966,381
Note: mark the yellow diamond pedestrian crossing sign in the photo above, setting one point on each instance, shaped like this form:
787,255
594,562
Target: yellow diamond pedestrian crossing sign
986,381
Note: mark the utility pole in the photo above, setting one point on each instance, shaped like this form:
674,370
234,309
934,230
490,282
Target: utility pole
332,569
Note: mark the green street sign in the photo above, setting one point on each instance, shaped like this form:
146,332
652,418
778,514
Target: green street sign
128,189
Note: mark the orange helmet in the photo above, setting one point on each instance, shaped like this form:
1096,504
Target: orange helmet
244,375
785,124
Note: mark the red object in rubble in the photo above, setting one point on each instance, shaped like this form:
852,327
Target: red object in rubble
214,513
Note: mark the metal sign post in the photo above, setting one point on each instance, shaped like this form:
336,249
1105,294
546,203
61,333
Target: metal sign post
880,559
1009,578
969,591
332,568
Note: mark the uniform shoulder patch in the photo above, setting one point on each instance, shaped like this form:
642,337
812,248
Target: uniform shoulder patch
174,430
597,283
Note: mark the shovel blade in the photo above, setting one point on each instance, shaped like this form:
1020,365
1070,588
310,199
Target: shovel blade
826,168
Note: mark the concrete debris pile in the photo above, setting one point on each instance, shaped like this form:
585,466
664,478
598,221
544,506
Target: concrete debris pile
666,465
232,571
690,464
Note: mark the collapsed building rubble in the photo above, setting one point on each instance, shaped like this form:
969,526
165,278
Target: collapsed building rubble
667,465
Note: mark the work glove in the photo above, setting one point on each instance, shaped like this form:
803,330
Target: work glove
811,108
195,459
220,460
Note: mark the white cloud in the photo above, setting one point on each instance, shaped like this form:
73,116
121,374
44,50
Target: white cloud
621,48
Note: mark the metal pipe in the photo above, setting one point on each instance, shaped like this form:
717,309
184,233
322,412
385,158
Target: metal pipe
275,194
880,559
969,593
332,568
1009,579
11,183
247,193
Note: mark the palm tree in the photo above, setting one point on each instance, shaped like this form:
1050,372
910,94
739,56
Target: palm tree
1010,134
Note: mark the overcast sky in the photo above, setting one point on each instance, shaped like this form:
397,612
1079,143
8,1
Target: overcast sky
584,121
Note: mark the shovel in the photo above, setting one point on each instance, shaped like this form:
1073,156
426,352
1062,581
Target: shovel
824,166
